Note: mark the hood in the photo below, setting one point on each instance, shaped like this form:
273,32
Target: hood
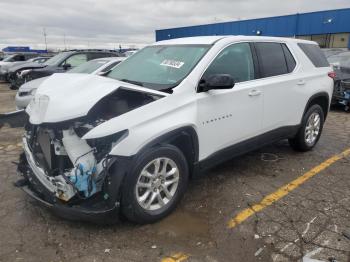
34,84
63,97
26,65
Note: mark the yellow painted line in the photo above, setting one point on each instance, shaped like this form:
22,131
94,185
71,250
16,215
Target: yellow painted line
177,257
284,190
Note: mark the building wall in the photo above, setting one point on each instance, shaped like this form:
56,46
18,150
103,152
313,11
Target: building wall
298,25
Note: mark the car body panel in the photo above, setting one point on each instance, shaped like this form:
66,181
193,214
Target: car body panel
84,92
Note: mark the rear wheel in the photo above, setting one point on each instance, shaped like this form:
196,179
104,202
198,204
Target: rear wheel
156,184
310,130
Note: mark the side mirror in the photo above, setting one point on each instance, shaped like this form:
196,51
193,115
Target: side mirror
66,66
217,81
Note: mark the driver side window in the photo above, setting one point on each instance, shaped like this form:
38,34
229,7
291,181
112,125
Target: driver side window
76,60
235,60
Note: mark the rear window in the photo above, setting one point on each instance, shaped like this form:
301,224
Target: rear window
315,54
271,57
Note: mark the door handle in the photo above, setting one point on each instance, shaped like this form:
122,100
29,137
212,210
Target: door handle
301,82
254,92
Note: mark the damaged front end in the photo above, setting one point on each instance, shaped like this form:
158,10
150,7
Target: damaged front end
77,177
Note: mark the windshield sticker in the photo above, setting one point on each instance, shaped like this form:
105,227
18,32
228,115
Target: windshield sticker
172,63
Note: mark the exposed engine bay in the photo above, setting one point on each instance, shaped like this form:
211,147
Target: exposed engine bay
72,167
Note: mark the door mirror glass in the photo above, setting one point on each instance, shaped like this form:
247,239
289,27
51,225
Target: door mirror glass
217,81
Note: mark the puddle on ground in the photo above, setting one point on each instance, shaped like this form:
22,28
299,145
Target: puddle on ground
182,224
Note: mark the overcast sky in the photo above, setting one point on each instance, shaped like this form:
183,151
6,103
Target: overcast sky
108,23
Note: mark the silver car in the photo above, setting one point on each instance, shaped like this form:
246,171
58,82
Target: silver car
98,66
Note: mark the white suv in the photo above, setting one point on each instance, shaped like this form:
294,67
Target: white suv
130,142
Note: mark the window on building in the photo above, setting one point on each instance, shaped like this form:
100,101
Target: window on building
235,60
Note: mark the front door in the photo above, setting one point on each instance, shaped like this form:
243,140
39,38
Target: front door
227,117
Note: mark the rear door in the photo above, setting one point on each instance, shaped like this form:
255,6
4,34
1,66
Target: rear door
280,85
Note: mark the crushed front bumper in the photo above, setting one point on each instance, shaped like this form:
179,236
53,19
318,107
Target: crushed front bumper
36,184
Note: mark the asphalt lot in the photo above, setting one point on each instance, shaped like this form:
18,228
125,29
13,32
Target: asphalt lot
303,224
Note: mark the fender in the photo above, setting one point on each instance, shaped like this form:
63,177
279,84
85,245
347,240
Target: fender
315,96
190,150
119,166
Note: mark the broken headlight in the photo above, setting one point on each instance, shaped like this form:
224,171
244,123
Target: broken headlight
103,145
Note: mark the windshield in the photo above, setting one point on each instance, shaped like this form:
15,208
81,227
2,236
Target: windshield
56,59
159,67
9,58
342,60
88,67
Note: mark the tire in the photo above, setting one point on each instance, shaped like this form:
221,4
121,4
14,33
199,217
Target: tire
300,141
140,211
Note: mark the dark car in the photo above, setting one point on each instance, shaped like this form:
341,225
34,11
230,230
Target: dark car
13,59
18,67
57,64
341,66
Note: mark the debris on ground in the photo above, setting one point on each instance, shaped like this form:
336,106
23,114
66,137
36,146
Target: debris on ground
257,253
346,233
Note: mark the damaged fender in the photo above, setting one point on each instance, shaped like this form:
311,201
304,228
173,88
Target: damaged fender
146,123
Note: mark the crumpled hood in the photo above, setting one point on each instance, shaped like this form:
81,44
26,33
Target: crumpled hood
63,97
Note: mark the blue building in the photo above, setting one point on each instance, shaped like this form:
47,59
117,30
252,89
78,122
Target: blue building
330,29
22,49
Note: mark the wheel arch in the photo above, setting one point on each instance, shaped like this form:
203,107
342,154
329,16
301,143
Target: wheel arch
184,138
322,99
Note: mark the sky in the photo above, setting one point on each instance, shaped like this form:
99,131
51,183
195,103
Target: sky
130,23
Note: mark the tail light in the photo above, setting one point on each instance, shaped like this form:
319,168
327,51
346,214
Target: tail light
332,75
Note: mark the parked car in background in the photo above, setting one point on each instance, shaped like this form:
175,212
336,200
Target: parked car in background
130,141
130,53
341,66
58,64
11,69
98,66
333,51
11,60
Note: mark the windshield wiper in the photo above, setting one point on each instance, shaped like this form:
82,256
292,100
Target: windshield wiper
132,82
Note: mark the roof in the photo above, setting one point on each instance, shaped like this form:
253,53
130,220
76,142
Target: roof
110,59
209,40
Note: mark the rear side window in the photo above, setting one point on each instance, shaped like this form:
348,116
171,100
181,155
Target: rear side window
289,58
315,54
272,61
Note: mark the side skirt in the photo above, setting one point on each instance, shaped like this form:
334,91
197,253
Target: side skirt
244,147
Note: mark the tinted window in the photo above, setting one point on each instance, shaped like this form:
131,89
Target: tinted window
235,60
289,58
315,54
271,59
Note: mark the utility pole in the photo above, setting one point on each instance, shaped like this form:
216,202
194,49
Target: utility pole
44,32
64,41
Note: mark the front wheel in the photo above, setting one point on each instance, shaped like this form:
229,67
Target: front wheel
310,130
155,186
